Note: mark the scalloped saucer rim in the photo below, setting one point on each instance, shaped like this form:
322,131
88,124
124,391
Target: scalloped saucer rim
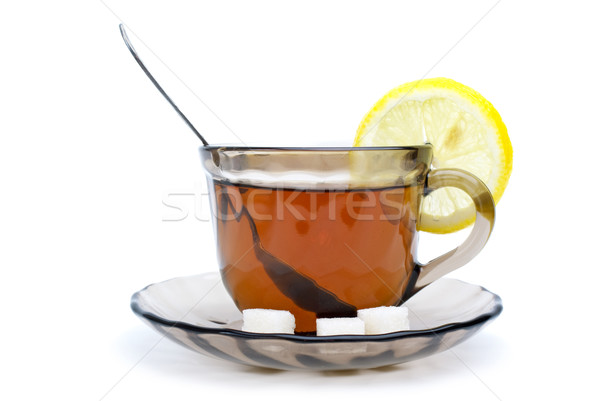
140,312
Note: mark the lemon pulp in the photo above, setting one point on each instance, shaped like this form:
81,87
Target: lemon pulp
465,130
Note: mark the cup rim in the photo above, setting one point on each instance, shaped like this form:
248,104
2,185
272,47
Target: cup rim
312,148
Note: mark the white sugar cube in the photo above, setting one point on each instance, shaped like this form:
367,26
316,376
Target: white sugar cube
384,319
340,325
268,321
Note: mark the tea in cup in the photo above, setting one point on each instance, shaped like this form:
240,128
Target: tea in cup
323,232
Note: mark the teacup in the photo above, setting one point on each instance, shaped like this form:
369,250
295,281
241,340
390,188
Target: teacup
323,232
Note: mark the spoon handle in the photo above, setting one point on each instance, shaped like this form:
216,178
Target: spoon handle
160,89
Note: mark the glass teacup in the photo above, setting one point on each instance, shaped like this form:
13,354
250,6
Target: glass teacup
323,232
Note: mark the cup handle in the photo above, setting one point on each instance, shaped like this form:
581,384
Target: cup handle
484,222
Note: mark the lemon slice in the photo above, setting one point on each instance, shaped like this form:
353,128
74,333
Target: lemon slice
465,130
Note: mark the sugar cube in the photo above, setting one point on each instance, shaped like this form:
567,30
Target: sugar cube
340,325
384,319
268,321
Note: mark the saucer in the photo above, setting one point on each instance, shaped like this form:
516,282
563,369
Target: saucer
198,313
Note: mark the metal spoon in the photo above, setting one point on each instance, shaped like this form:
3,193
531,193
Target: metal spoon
160,89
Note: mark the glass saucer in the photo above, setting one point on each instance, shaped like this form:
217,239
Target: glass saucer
197,313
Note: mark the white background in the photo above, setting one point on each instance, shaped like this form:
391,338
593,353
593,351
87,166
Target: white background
89,151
